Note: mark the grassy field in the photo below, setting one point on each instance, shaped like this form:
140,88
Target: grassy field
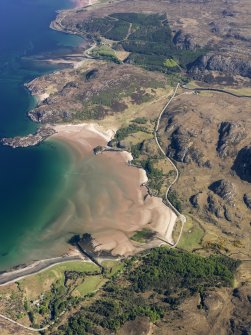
192,235
35,285
112,267
240,91
90,284
169,63
104,51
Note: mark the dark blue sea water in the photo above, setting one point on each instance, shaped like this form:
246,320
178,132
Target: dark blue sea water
31,180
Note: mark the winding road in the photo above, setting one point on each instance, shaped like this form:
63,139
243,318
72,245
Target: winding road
24,327
217,90
180,216
37,267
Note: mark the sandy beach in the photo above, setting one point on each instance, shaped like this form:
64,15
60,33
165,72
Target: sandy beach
83,3
121,208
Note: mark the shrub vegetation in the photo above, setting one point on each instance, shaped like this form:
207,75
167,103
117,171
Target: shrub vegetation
167,275
147,37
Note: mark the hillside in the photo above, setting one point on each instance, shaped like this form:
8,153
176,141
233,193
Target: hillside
139,51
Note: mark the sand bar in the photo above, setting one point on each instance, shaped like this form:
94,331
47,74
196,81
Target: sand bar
121,208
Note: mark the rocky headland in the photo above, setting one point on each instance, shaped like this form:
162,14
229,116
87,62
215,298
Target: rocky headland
30,140
206,134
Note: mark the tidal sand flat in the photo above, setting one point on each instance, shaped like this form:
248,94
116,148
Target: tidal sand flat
31,178
83,3
58,189
105,196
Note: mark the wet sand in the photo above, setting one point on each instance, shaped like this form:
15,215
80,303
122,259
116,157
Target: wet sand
83,3
107,198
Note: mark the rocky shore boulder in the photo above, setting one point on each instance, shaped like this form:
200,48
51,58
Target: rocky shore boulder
242,164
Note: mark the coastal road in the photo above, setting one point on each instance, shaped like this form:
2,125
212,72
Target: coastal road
180,216
37,267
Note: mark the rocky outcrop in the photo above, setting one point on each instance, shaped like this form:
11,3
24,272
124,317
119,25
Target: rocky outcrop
228,12
214,207
230,134
194,200
149,147
242,164
183,149
85,93
247,200
224,189
217,207
184,41
226,64
29,140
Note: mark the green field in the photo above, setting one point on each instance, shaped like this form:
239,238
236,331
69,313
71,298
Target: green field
169,63
90,284
191,236
143,235
37,283
105,52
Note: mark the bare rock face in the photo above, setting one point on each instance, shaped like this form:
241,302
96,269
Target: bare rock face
247,200
183,149
184,41
217,207
230,134
221,206
222,63
194,200
214,207
224,189
240,323
242,164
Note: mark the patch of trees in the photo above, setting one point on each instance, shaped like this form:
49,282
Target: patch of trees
140,18
150,62
171,270
173,198
155,176
136,150
168,276
140,120
147,37
122,133
118,31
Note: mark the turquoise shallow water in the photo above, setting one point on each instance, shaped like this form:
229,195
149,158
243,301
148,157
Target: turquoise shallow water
31,180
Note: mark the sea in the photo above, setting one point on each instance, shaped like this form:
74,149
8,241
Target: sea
32,180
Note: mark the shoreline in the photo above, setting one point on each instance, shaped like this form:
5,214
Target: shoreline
12,276
89,135
83,3
96,131
84,137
